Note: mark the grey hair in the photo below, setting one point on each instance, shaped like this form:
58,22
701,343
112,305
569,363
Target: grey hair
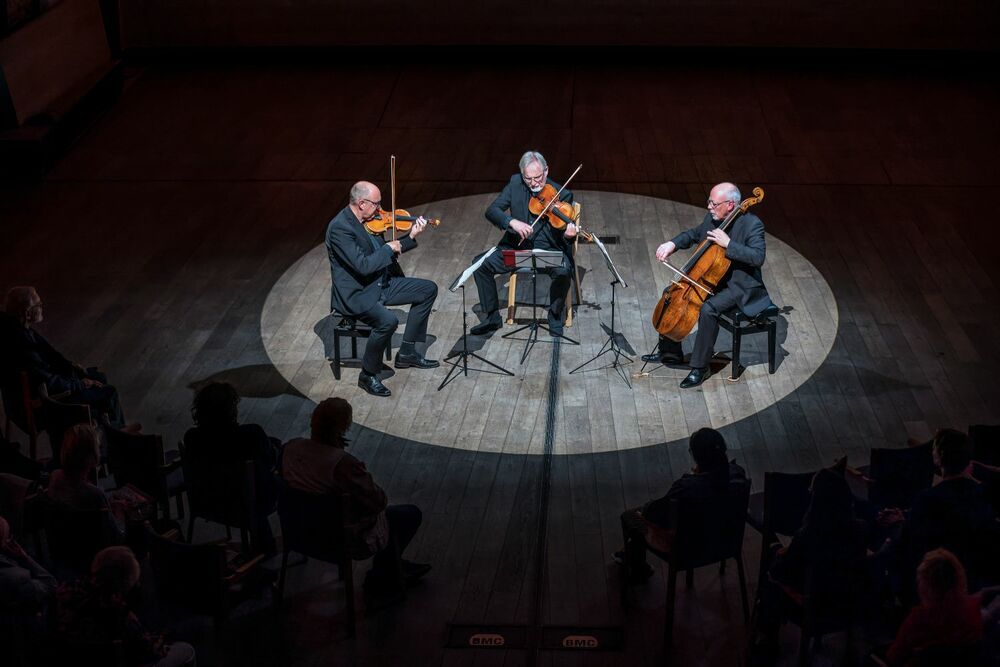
529,157
359,191
732,193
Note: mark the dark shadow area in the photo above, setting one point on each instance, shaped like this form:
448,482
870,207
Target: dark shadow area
256,381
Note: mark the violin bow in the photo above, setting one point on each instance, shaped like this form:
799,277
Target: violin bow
392,194
685,277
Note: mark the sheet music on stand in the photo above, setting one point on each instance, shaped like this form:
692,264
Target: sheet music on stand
522,259
469,270
608,261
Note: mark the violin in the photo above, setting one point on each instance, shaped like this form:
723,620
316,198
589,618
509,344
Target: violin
399,220
677,311
560,213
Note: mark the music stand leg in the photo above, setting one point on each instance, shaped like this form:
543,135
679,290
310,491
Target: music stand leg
611,346
533,326
464,353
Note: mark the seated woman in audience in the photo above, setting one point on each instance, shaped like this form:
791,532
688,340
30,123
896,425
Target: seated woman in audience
946,616
71,486
827,553
96,611
219,439
25,586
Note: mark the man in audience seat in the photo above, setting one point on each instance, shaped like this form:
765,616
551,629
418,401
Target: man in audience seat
321,465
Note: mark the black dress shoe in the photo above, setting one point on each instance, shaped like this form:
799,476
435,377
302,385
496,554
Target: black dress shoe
665,359
695,378
415,360
489,325
372,385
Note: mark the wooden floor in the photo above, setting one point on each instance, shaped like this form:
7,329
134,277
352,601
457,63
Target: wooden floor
158,241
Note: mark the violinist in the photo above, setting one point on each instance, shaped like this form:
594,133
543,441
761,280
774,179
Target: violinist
509,212
743,285
366,280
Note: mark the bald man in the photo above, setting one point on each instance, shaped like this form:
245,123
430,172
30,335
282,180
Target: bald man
742,287
366,279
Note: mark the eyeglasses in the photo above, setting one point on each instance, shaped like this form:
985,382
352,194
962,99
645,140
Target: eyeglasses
534,179
714,204
376,204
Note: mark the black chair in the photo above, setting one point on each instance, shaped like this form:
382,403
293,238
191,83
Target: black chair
137,459
739,324
897,475
831,602
223,494
207,579
985,443
708,532
779,510
989,477
313,525
344,325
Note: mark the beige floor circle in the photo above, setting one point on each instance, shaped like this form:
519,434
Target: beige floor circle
595,410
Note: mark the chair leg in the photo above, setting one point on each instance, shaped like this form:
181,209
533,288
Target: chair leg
347,573
336,355
772,336
511,298
668,629
736,369
191,529
281,575
743,588
179,500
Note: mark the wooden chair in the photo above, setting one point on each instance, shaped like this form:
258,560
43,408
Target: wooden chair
313,525
204,579
137,459
739,324
223,494
707,532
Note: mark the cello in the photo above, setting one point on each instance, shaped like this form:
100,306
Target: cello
677,311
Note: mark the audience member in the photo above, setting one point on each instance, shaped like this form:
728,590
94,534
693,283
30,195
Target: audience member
946,616
321,465
953,514
45,365
25,586
97,610
713,475
219,439
826,555
71,486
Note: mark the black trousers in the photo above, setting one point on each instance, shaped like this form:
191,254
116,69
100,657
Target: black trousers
487,286
102,400
404,520
419,294
708,326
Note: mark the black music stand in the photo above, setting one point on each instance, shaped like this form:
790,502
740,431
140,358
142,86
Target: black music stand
463,361
532,258
611,345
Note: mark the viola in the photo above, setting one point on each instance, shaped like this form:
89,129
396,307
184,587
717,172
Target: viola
399,220
677,311
559,213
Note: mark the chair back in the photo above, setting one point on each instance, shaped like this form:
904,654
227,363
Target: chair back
990,479
75,536
190,576
312,524
899,474
224,493
137,459
709,530
786,499
985,443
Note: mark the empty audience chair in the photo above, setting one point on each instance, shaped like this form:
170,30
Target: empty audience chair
137,459
204,579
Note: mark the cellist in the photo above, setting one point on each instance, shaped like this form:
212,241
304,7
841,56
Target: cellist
742,287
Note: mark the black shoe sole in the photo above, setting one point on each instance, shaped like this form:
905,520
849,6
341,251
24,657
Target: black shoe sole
404,364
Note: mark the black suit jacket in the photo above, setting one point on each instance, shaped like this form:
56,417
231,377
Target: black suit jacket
747,250
357,266
26,349
512,203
